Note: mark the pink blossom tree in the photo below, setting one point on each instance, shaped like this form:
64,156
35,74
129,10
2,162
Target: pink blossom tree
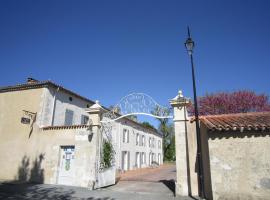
241,101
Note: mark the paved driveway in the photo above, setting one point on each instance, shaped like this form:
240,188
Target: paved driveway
143,184
159,181
57,192
166,172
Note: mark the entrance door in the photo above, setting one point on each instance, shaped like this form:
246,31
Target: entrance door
66,166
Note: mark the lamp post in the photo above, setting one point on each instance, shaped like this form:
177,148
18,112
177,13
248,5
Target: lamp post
189,44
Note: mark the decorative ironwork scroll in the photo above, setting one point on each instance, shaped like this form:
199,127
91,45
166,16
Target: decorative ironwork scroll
136,104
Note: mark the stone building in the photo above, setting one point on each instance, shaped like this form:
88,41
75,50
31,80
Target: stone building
46,136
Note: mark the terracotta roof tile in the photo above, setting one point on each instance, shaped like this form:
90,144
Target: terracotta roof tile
241,121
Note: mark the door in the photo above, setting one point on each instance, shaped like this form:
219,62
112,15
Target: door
66,165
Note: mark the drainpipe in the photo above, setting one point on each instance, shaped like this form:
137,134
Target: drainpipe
119,146
53,108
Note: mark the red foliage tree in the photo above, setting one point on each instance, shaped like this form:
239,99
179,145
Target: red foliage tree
235,102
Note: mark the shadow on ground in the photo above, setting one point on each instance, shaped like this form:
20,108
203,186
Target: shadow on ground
39,191
26,184
169,184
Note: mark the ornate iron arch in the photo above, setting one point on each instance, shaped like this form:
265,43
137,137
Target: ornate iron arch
136,104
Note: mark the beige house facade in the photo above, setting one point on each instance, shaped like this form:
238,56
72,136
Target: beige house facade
46,136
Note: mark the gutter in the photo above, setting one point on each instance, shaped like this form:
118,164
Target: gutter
53,108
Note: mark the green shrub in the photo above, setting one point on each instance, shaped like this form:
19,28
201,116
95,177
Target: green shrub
107,154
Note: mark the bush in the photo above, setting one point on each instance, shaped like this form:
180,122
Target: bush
107,154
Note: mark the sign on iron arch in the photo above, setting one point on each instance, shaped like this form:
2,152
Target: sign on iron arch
136,104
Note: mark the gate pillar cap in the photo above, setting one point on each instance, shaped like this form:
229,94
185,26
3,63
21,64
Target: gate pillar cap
180,100
95,108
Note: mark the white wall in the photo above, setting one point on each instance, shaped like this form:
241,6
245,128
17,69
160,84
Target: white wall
54,107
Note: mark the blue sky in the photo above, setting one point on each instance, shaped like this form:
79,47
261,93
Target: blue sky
107,49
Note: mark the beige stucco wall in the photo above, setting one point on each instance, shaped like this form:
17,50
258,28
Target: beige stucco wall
14,136
36,155
239,165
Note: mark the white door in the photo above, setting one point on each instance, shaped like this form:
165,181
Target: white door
66,167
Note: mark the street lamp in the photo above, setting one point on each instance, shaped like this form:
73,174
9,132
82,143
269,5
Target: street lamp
190,46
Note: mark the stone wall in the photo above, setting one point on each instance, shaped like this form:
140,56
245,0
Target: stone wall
239,165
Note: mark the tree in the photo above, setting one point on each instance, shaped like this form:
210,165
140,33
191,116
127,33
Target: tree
167,131
148,125
241,101
170,152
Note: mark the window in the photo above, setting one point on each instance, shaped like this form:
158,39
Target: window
70,98
84,119
137,139
150,158
68,117
125,136
143,140
150,142
125,160
138,159
153,142
159,144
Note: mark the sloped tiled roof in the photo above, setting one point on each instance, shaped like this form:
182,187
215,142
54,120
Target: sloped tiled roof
40,84
257,121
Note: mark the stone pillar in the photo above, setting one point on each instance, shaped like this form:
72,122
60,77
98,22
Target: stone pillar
95,114
179,104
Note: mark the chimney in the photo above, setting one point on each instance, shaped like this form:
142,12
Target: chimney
32,80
